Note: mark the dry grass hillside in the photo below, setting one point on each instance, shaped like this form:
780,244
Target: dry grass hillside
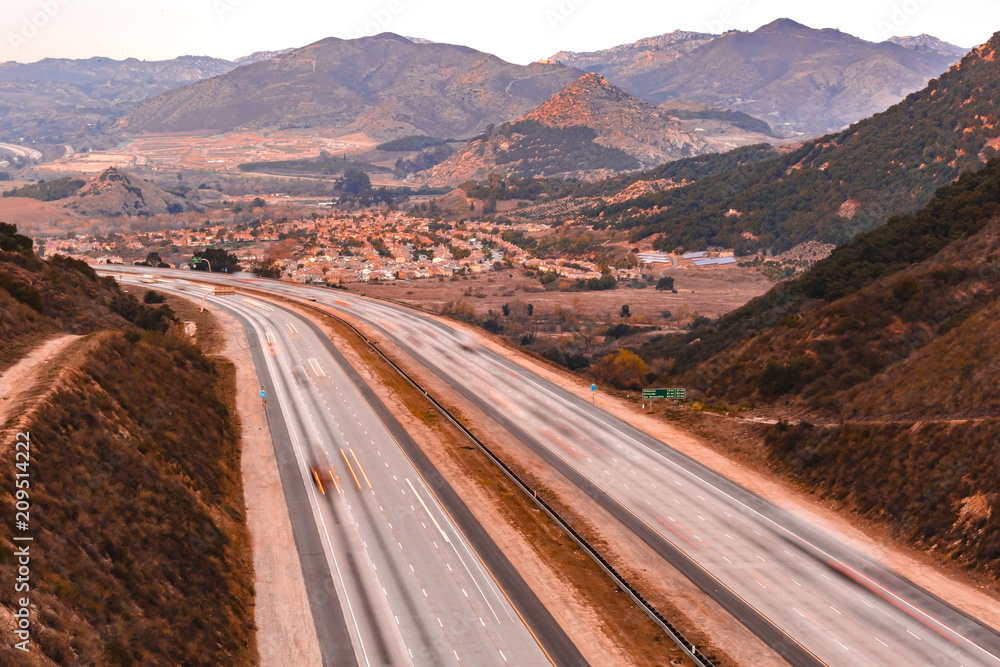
141,554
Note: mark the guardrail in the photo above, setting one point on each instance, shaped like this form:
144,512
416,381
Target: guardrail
675,635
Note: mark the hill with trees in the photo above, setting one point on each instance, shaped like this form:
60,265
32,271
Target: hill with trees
834,187
890,345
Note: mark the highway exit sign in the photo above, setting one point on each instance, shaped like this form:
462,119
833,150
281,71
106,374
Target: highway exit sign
665,393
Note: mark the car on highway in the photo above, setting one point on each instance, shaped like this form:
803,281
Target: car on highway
300,374
312,297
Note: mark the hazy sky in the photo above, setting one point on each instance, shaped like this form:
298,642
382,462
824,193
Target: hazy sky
516,30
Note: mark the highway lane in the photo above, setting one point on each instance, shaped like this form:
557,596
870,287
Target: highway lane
770,568
411,589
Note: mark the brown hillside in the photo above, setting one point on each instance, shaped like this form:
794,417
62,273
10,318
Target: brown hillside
386,86
114,193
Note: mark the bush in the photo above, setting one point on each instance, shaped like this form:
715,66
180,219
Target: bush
153,297
624,370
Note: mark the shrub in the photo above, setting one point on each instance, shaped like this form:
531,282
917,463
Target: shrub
624,370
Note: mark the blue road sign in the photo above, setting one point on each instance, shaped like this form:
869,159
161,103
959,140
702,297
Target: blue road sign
262,393
593,387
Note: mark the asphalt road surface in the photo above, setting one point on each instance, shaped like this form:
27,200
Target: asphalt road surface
807,594
391,578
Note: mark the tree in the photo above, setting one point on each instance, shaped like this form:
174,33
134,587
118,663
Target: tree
355,181
221,260
625,312
269,268
624,370
665,284
11,241
153,259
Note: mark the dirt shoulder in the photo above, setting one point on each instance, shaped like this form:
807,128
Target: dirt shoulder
286,633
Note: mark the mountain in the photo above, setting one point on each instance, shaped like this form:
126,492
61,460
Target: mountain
589,128
795,78
114,193
623,61
57,100
892,342
833,187
929,44
386,86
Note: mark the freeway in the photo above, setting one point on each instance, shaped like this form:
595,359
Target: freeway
392,578
808,594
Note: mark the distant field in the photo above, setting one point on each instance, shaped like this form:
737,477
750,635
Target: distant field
217,151
27,213
707,291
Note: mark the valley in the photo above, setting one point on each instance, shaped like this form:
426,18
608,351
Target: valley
676,347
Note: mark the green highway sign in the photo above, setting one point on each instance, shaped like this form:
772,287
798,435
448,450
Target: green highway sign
665,393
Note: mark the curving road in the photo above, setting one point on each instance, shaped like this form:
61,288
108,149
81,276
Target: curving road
811,597
398,571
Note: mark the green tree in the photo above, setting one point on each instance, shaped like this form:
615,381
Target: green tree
625,312
355,181
221,260
11,241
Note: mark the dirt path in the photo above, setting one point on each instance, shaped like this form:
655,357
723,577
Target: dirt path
23,381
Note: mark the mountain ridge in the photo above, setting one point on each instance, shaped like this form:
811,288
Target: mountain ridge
386,86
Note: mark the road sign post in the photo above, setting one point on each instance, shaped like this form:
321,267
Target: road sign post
263,402
676,393
593,394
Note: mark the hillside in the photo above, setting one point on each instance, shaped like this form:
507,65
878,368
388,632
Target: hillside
588,129
140,552
57,100
892,343
797,79
39,297
114,193
386,86
831,188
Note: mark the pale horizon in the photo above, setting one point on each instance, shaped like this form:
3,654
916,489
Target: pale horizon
522,32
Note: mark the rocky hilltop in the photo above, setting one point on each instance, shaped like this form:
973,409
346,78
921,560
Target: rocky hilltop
114,193
386,86
929,44
636,58
589,129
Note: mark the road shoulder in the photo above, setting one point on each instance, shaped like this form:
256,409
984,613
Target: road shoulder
286,634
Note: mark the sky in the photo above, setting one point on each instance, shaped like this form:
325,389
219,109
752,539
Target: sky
519,31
